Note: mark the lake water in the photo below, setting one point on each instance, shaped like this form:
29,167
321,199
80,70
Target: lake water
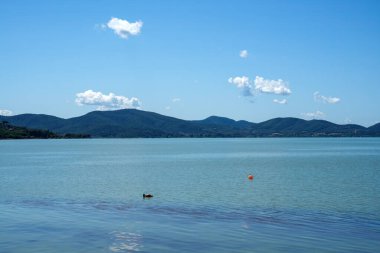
308,195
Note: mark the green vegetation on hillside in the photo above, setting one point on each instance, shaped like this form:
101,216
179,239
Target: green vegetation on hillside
8,131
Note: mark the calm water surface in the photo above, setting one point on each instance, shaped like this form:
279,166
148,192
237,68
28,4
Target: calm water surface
308,195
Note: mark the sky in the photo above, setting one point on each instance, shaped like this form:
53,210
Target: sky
245,60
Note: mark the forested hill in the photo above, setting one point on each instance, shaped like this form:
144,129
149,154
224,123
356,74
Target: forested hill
8,131
128,123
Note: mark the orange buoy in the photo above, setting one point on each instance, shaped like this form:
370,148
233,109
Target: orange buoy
250,177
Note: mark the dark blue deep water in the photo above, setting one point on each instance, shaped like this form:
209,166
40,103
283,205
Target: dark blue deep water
308,195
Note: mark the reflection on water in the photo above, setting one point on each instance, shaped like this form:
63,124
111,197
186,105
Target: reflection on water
125,242
121,227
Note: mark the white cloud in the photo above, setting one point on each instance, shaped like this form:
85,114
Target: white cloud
314,115
243,54
167,108
280,101
123,28
324,99
244,83
278,87
5,112
240,82
175,100
106,102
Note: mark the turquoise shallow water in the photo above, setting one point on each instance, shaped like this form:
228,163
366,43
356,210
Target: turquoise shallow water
308,195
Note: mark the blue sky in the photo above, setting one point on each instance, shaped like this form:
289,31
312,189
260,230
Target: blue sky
306,59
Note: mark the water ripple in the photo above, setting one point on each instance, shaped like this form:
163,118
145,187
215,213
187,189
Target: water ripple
125,242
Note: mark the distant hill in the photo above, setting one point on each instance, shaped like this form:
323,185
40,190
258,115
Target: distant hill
130,123
375,128
8,131
36,121
300,127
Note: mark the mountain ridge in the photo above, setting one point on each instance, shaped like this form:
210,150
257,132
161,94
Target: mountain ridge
131,123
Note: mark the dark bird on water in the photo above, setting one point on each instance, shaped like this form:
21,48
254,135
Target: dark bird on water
147,196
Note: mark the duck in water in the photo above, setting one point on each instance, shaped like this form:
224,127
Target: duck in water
148,196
